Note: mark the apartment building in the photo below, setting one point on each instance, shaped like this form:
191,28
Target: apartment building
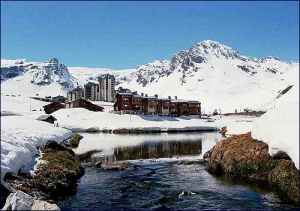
107,88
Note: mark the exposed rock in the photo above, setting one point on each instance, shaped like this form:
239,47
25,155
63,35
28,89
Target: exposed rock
223,131
242,156
207,155
23,201
42,205
86,157
74,141
54,179
56,146
98,164
5,192
115,166
53,60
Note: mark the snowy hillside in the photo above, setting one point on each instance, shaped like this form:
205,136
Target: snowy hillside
31,78
215,74
84,74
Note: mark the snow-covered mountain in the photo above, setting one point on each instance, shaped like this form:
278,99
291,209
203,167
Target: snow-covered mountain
45,78
213,73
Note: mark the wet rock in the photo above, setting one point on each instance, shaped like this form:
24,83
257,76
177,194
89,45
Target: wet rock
42,205
54,145
242,156
223,131
50,144
23,201
74,141
98,164
115,166
6,190
54,179
207,154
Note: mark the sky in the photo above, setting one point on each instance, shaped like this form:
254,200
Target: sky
123,35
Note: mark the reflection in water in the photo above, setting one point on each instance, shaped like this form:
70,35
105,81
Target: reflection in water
160,184
148,150
158,145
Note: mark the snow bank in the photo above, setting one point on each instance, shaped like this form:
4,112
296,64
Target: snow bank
240,126
279,127
79,119
21,105
19,138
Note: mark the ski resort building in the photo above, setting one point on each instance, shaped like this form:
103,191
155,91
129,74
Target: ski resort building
92,91
50,108
127,103
75,94
82,103
107,88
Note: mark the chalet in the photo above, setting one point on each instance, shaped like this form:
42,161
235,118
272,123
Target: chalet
50,108
194,107
81,103
47,118
59,99
164,106
182,107
149,104
173,108
123,102
137,107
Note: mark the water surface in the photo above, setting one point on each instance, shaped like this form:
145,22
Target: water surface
156,180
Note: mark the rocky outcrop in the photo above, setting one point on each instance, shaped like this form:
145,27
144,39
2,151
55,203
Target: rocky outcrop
6,190
242,156
56,178
39,73
23,201
74,141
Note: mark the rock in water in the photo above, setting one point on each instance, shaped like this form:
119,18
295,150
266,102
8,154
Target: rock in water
242,156
23,201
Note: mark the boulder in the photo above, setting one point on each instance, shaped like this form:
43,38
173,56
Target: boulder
98,164
42,205
244,157
50,144
5,192
23,201
115,166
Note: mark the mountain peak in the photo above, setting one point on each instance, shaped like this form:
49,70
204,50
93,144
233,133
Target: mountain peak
53,60
209,48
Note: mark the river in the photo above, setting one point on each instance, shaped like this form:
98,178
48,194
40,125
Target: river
162,180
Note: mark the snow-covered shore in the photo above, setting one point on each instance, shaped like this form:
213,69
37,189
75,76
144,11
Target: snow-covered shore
279,127
20,137
81,120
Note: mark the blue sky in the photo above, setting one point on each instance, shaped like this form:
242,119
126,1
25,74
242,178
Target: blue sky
122,35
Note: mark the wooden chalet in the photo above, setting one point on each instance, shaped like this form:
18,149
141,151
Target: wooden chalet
164,106
149,104
50,108
59,99
137,107
182,107
194,107
82,103
123,103
47,118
